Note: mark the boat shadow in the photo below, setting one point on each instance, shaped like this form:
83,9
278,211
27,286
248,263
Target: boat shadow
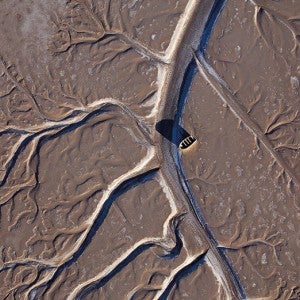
171,131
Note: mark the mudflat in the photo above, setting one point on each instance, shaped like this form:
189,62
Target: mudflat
98,200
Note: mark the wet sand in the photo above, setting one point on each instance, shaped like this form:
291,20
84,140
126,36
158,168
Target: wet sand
96,203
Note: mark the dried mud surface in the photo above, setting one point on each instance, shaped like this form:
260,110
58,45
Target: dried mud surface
96,203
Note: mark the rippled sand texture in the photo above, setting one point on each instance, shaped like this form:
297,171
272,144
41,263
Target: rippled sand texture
245,112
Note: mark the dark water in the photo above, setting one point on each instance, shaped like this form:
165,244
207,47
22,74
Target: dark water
183,98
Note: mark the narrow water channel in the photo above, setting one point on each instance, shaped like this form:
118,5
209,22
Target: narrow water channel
189,75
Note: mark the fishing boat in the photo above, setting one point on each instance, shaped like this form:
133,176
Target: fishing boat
187,142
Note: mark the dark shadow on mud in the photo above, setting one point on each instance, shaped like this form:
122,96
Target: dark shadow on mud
171,131
118,191
183,273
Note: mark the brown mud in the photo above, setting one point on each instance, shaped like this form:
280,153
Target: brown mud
97,201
